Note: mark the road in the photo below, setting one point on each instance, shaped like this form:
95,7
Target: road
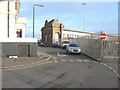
69,71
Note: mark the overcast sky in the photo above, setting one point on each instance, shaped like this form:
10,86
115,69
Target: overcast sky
99,16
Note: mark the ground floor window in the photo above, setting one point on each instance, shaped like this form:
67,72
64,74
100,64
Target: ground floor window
19,33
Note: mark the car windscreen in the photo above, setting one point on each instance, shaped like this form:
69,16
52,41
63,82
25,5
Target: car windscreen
73,45
66,42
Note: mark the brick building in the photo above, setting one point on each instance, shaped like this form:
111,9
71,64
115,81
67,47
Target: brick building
53,32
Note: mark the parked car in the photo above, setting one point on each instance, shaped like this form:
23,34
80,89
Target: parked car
43,44
55,45
64,44
73,48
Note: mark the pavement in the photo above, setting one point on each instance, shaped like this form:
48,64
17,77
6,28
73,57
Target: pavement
24,62
113,65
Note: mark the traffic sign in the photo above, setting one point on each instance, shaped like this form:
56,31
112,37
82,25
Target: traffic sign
103,36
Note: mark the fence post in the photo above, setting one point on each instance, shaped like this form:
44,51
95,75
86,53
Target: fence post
101,49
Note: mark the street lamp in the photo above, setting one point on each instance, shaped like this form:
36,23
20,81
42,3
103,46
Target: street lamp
83,16
34,15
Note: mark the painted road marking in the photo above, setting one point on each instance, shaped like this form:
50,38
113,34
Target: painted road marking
60,54
63,60
56,61
117,74
86,60
79,60
71,60
29,65
94,61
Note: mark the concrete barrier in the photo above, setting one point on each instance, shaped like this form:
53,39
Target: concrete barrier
97,48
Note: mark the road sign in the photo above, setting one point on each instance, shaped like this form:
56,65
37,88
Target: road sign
103,36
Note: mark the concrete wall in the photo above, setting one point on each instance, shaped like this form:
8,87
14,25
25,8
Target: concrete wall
110,49
19,49
90,47
98,49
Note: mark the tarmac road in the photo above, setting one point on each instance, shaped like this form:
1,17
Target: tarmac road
69,71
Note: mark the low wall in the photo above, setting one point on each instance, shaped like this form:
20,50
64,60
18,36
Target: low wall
19,49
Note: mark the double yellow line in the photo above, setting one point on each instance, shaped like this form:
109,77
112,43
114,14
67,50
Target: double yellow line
29,66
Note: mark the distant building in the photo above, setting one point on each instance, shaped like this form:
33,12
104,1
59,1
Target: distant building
69,34
53,32
12,31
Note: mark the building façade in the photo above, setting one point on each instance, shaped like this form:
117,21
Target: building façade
54,32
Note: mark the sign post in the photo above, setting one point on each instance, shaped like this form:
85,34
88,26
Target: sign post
103,36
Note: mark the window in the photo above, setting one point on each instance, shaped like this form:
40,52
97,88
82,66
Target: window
74,45
56,36
46,38
19,33
67,35
66,42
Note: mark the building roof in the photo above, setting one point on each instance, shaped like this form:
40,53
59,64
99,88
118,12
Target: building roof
54,21
77,31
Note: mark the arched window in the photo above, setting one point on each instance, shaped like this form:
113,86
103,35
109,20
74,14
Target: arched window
56,36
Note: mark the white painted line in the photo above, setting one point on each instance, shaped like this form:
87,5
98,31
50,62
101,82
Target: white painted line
94,61
61,55
86,60
79,60
70,60
63,60
111,69
55,61
58,54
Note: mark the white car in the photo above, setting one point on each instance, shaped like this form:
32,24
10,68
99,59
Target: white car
73,48
64,44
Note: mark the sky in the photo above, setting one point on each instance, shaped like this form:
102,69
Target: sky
99,16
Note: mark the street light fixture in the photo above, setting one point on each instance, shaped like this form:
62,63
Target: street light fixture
34,15
83,16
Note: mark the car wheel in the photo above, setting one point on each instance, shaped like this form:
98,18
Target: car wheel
66,51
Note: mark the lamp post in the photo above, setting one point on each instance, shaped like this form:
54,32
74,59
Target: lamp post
8,17
83,16
34,15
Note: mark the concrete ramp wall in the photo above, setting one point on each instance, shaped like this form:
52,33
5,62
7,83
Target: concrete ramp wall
98,49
